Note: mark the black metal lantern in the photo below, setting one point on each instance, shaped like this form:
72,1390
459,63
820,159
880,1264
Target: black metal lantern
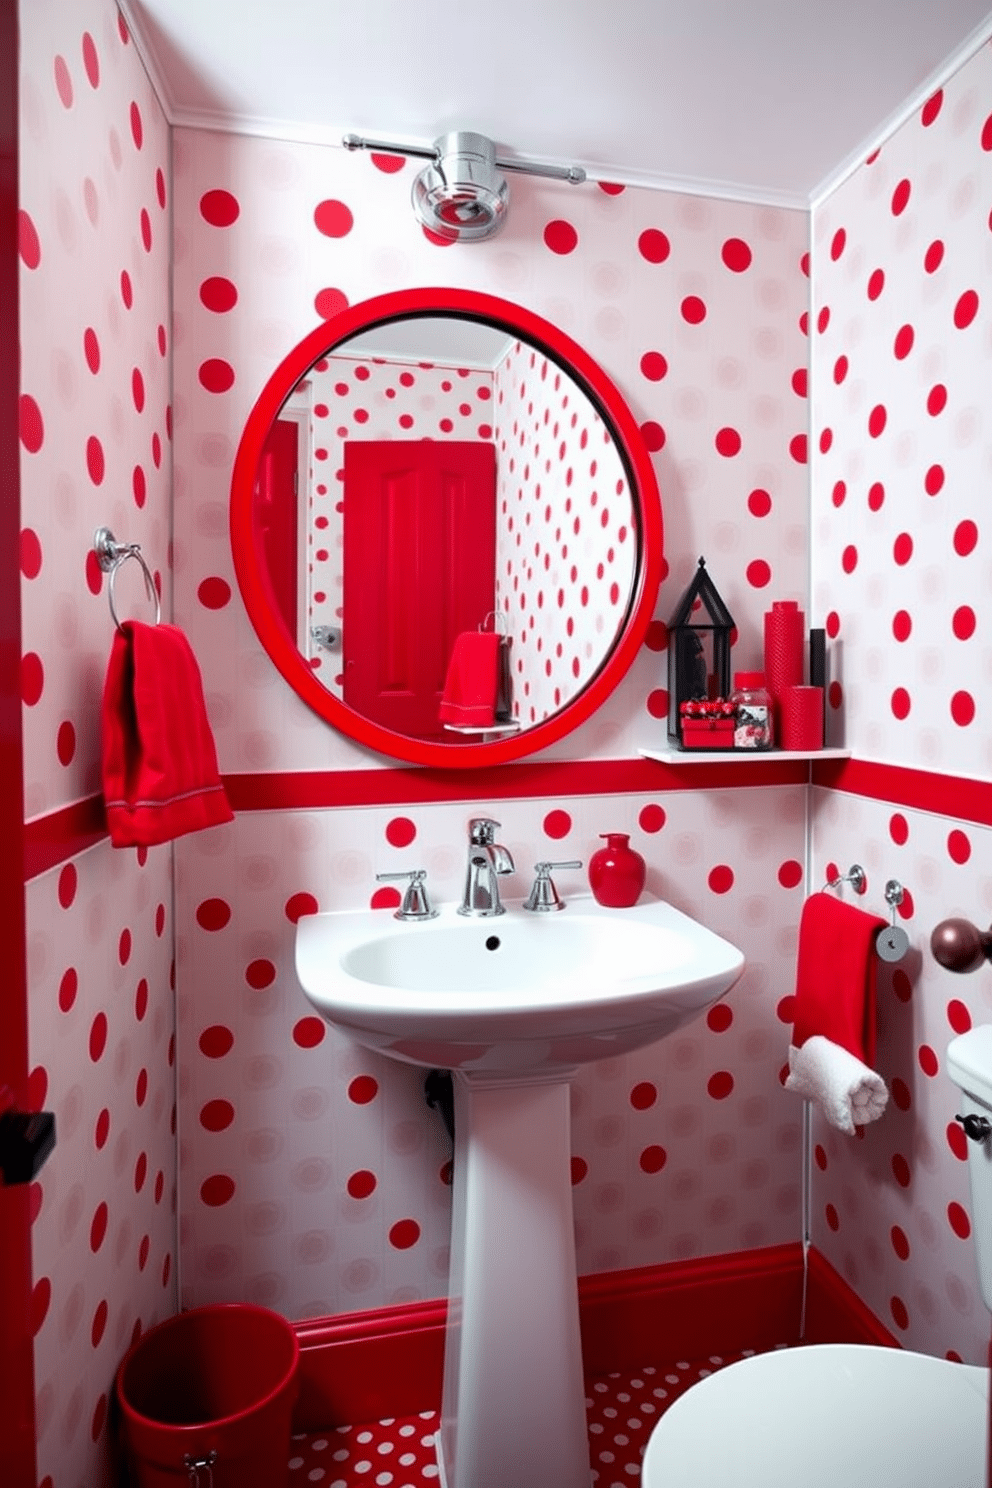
699,640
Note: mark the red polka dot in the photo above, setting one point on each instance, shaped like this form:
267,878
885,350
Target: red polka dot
95,463
958,846
957,1141
31,426
966,309
579,1169
900,1314
901,1094
216,1115
790,873
721,879
657,703
146,230
898,829
933,480
837,244
901,1171
720,1017
958,1015
139,488
30,553
68,987
900,197
728,442
219,208
28,242
216,1041
216,375
876,496
876,284
333,219
904,342
693,310
936,400
363,1089
298,905
401,831
785,1010
963,622
931,108
560,236
902,548
68,882
759,503
388,164
404,1233
840,369
653,366
736,255
965,538
899,1242
137,128
849,559
720,1085
124,947
99,1323
643,1095
831,1216
385,898
361,1183
41,1298
98,1226
329,302
557,824
652,818
218,294
98,1037
309,1032
653,245
213,914
901,703
653,435
877,420
832,625
652,1159
260,973
217,1190
987,134
63,82
758,573
146,1242
928,1061
963,709
957,1218
127,292
214,593
798,448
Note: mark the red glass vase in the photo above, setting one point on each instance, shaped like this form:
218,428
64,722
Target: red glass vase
616,872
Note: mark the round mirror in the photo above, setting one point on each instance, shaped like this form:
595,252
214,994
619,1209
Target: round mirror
446,527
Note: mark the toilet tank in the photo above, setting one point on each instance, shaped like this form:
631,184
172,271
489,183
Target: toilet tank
969,1064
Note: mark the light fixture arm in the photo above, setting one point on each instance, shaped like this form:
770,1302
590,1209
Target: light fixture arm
572,173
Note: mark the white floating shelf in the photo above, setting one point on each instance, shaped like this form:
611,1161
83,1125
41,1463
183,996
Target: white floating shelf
669,756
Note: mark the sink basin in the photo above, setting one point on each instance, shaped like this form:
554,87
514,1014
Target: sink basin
520,991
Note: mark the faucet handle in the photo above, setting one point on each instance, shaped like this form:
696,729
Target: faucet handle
416,903
543,896
482,830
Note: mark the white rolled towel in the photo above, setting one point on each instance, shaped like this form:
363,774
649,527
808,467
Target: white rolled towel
847,1091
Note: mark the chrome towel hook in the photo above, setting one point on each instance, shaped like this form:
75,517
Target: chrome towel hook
110,555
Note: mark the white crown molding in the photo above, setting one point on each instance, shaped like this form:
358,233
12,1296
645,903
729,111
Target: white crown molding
938,79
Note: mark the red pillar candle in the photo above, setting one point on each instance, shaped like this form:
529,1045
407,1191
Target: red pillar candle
785,647
801,713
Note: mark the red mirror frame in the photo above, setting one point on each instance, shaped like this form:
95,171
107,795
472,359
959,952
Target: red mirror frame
254,582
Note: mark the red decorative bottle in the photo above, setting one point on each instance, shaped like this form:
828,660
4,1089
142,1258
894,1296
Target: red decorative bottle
616,872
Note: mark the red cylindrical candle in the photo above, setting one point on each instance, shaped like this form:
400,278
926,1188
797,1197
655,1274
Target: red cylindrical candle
801,711
785,645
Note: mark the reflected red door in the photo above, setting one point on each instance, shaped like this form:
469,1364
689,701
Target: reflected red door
276,519
419,568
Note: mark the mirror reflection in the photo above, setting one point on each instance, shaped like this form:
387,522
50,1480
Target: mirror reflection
448,529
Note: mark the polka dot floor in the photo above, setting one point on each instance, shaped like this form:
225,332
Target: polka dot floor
621,1411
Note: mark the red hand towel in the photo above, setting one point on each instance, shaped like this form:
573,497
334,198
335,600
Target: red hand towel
160,776
835,976
471,688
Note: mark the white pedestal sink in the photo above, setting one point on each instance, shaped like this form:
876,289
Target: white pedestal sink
512,1005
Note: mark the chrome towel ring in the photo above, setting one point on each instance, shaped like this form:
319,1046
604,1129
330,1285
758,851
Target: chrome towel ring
110,555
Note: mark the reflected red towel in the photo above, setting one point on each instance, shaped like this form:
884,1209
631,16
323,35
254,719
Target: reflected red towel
472,686
160,776
835,976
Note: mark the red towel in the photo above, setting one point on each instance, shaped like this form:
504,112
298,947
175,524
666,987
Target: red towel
472,688
160,776
835,976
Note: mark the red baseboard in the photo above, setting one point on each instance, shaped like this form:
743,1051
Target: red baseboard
367,1365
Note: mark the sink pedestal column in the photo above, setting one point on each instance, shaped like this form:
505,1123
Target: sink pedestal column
513,1412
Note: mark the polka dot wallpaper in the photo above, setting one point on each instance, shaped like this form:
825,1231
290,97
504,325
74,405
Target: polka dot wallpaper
95,247
901,359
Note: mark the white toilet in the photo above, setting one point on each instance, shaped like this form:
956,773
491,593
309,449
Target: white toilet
836,1414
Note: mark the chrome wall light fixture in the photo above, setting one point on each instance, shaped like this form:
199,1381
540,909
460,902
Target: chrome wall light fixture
461,195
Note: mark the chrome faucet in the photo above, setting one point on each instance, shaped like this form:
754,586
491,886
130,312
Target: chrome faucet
486,862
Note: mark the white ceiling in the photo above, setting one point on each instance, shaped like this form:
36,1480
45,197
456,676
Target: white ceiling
768,100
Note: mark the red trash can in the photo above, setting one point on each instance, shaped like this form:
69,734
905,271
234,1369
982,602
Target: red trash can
207,1399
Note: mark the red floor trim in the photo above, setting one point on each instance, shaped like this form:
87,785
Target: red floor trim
370,1365
921,790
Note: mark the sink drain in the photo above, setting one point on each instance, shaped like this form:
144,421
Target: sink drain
493,942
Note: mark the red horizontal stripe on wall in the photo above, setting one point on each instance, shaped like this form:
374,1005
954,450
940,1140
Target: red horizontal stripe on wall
922,790
52,839
300,790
